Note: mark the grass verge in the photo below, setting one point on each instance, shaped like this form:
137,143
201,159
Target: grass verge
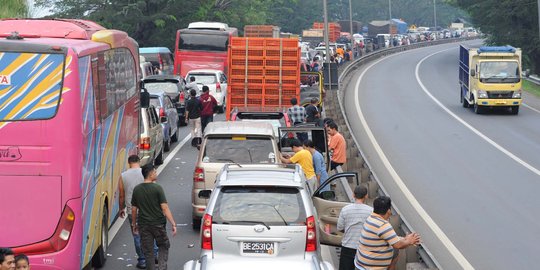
531,88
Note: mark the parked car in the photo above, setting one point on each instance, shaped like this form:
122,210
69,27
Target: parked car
168,116
230,142
267,218
151,138
175,87
160,57
215,80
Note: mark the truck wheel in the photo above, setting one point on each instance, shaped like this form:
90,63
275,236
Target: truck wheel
514,109
478,109
100,256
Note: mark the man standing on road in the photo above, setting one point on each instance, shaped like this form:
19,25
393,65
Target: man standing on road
150,213
296,113
336,145
7,259
130,179
208,105
304,158
192,84
350,222
193,117
312,112
318,164
378,240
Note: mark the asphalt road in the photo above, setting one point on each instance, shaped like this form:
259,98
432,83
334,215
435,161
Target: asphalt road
176,178
467,183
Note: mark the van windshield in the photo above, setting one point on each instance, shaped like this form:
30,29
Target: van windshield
239,149
30,85
270,205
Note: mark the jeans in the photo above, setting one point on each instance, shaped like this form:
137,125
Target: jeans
137,242
205,120
334,165
157,233
346,259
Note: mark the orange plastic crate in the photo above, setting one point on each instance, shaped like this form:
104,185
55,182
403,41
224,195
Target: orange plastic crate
241,101
251,71
276,54
239,89
250,79
251,41
240,53
286,90
284,72
251,62
288,62
283,43
284,81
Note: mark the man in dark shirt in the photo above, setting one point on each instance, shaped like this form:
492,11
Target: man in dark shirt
193,117
312,112
208,105
150,213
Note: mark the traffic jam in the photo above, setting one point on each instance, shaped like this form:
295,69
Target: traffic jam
88,117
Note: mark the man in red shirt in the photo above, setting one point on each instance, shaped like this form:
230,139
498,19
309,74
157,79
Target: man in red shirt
208,105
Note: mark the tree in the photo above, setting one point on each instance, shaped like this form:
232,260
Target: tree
14,9
513,22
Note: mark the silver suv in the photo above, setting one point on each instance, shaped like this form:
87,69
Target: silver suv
261,217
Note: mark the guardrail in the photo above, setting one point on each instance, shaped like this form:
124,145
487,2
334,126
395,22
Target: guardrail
423,252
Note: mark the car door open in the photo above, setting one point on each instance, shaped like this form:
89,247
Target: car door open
328,200
304,132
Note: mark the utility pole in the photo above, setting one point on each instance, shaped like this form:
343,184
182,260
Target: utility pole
435,14
350,22
390,10
327,45
539,19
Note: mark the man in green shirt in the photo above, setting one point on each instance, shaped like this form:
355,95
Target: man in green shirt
150,213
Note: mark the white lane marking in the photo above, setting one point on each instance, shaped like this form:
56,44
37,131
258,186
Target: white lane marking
115,228
467,125
530,107
462,261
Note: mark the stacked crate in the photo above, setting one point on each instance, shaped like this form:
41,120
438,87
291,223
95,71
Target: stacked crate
264,73
266,31
334,30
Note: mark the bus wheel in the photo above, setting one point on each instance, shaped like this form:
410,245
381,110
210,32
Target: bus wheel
100,256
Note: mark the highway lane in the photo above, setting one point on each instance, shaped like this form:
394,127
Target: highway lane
479,194
176,178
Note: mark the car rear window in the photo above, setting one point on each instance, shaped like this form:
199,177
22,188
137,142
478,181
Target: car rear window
154,101
166,87
269,204
204,78
239,149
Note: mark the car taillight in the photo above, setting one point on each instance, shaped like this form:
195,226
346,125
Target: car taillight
218,87
160,62
311,235
161,112
182,97
145,143
198,175
59,239
206,233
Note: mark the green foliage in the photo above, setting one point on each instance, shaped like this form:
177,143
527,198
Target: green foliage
155,22
14,9
513,22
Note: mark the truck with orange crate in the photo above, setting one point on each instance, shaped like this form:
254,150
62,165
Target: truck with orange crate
334,30
264,31
264,74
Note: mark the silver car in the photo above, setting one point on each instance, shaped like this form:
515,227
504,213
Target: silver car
263,217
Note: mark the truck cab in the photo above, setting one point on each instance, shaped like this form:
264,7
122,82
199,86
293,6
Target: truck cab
490,77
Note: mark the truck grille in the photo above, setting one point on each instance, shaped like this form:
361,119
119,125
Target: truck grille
500,94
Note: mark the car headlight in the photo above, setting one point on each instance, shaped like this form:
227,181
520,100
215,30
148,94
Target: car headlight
482,94
516,94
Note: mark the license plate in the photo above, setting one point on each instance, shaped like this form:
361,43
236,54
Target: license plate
258,248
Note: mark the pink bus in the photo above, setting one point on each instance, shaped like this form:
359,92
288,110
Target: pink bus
69,103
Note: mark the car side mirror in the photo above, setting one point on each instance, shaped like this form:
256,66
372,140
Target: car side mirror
329,195
473,72
163,119
145,98
205,194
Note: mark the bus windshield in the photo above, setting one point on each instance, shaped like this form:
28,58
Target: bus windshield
30,85
203,42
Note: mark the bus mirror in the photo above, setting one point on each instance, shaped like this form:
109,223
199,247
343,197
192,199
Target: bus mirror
145,98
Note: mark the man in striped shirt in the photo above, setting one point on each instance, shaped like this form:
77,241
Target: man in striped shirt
350,222
378,239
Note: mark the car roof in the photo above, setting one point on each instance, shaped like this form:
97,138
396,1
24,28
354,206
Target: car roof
239,128
162,78
154,50
157,93
204,71
261,175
